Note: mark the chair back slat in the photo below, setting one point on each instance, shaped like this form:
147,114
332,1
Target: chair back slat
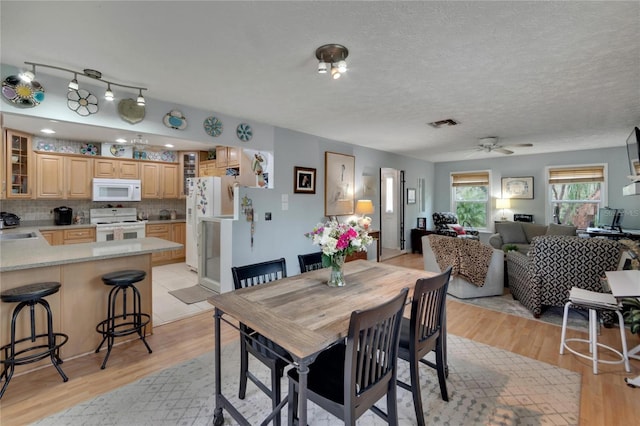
428,307
310,262
258,273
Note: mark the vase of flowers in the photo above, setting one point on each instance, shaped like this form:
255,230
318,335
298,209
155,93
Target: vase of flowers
339,240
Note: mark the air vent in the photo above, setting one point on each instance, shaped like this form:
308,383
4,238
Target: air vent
442,123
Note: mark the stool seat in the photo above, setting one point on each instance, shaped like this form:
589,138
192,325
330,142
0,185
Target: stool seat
122,278
29,292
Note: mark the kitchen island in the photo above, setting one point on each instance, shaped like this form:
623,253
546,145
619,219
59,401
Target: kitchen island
81,302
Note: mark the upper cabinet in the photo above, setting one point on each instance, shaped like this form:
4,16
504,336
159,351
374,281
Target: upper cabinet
159,180
63,177
227,156
189,165
18,165
113,168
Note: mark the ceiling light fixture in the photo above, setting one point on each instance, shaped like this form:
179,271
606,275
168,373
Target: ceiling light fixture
48,131
28,76
138,141
334,56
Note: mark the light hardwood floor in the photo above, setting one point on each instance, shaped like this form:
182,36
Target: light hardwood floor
605,399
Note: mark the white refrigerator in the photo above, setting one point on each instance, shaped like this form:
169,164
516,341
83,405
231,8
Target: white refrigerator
203,200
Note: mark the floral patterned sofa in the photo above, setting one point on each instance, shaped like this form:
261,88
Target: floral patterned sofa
446,223
554,264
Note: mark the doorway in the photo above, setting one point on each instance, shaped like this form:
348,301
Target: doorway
391,212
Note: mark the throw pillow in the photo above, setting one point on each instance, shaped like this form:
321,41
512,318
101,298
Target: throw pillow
458,228
511,232
555,229
533,230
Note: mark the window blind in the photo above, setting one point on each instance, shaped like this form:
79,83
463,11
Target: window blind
576,174
470,179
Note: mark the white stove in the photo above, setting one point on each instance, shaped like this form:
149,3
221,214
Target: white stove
116,224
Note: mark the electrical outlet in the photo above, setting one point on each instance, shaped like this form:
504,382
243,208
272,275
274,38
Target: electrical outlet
267,216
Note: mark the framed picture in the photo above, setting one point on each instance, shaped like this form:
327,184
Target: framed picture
339,182
517,187
422,223
411,195
304,180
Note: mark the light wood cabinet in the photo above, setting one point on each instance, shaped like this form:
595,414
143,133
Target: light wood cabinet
114,168
227,156
159,180
18,164
79,235
189,168
170,187
160,230
54,238
179,235
63,177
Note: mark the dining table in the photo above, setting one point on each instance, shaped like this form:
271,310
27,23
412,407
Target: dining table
305,316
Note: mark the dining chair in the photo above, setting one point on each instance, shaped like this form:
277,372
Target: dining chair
424,332
251,342
350,377
310,262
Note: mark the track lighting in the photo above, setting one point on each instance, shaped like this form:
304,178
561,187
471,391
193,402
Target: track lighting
28,76
334,56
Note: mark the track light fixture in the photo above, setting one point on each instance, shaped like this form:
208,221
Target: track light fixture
334,56
28,76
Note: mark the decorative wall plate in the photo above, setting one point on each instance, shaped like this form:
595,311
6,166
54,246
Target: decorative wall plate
244,132
117,150
175,120
212,126
130,111
21,94
89,149
82,102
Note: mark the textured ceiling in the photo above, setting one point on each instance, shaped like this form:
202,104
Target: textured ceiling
559,75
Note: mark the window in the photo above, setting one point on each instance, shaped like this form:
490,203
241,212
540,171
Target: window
576,193
470,197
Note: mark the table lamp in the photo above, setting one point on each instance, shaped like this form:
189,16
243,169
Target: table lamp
503,203
364,207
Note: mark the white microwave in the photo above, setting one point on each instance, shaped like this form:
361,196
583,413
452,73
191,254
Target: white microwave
116,189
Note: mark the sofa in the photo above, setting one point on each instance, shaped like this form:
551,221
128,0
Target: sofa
459,286
544,276
521,234
446,223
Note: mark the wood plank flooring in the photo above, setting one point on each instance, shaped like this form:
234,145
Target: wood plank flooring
605,399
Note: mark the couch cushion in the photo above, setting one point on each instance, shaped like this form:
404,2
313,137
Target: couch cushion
457,228
511,232
555,229
533,230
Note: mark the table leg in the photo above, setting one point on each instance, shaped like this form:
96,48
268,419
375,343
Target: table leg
303,371
218,417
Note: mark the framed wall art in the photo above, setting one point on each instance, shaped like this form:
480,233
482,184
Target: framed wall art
517,187
422,223
339,182
304,180
411,195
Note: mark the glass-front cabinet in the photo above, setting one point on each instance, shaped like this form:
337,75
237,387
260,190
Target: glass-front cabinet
18,166
188,169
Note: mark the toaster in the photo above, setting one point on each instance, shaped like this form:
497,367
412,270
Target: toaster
9,220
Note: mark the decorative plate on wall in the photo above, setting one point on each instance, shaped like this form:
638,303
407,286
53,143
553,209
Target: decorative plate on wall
82,102
244,132
130,111
89,149
21,94
175,120
213,126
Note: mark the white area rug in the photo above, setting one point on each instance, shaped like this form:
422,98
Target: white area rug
487,386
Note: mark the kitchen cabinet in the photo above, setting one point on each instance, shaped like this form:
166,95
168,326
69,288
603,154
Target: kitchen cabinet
19,167
160,230
179,235
54,238
189,165
63,177
227,156
79,235
159,180
114,168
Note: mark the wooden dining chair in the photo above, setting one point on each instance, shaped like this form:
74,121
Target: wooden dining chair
424,332
310,262
251,342
350,377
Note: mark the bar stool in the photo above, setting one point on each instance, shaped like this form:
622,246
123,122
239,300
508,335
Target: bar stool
14,353
126,322
594,302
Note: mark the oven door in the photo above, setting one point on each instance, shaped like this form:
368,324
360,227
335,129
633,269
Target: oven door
115,232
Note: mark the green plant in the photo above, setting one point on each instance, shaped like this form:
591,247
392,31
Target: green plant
631,308
510,247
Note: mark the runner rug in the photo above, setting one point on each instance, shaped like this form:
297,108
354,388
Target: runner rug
487,386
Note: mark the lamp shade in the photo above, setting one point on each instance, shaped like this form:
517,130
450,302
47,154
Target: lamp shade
503,203
364,207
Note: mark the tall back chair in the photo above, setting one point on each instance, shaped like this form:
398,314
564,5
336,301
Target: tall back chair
310,262
348,378
424,332
269,353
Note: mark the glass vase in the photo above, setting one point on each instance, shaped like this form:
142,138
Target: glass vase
336,279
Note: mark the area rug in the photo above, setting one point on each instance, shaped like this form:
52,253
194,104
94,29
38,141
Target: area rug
487,386
194,294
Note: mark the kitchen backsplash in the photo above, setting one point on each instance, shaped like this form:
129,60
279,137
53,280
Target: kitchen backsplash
30,210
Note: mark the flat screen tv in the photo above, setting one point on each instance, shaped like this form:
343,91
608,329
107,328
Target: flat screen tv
633,153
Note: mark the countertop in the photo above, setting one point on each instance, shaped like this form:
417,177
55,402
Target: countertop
36,252
48,225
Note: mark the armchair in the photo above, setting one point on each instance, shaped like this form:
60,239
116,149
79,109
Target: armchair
442,220
554,264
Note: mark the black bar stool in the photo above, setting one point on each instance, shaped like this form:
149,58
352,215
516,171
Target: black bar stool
14,352
126,322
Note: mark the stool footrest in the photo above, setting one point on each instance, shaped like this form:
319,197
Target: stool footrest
123,328
59,338
590,356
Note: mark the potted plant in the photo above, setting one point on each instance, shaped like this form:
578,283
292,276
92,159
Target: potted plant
510,247
631,308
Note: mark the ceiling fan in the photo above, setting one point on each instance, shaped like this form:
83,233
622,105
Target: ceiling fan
490,144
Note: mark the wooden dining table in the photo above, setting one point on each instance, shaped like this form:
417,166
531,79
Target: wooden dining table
305,316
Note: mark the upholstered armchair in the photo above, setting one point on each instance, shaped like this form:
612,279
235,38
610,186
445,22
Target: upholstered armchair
554,264
446,223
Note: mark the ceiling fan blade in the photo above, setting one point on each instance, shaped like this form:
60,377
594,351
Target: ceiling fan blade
520,145
503,151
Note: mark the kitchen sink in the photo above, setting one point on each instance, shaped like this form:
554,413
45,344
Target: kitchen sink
18,236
